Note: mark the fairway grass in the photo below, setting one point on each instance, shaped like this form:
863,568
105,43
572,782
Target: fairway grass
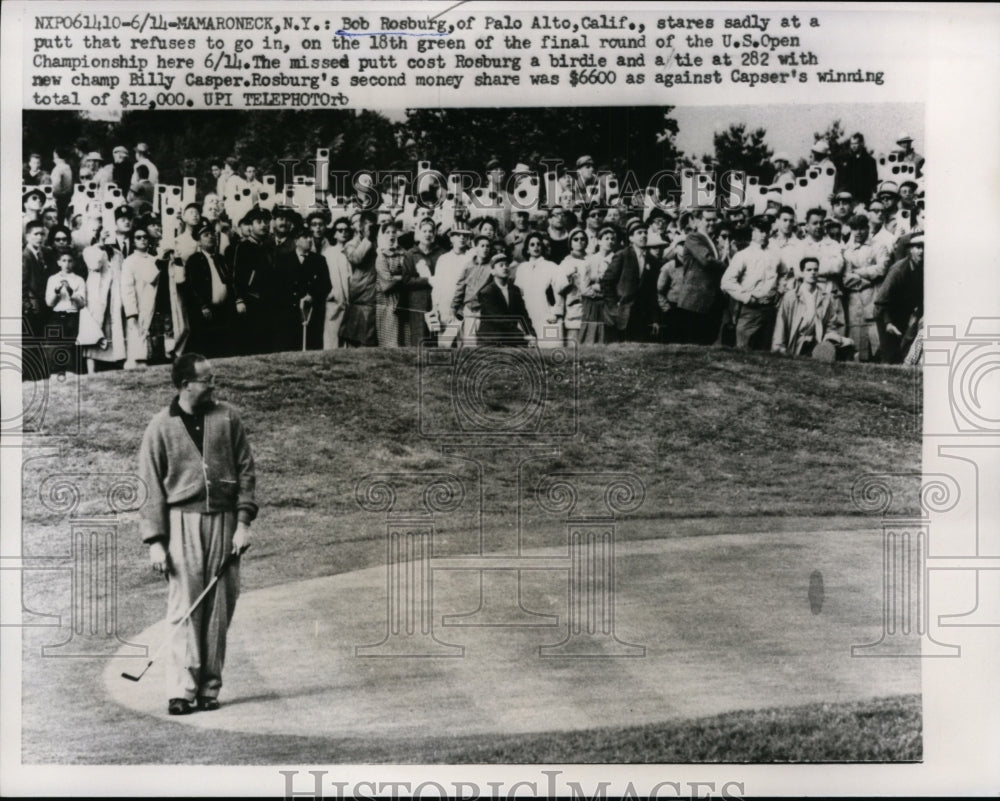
722,441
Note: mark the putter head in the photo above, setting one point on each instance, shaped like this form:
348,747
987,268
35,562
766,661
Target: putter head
130,677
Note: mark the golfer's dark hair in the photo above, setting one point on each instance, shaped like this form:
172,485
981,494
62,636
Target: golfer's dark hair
185,368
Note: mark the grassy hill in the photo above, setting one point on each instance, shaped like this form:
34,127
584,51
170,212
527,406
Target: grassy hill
722,441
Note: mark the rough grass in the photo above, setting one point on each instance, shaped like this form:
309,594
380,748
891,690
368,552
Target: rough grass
722,441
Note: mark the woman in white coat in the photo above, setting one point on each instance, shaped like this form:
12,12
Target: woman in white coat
104,303
541,283
340,281
140,277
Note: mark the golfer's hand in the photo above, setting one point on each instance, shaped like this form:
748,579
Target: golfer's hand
241,538
241,307
159,558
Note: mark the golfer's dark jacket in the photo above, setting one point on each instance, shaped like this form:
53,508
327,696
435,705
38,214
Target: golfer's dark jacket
177,476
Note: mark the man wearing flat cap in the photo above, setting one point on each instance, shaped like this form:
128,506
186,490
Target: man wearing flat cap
841,207
899,304
629,288
210,295
253,276
300,289
888,195
504,318
905,152
286,221
90,165
587,189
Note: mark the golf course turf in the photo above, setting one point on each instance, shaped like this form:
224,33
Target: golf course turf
724,443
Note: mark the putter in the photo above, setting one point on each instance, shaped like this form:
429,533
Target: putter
218,574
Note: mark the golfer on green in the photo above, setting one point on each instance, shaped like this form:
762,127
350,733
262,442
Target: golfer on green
199,473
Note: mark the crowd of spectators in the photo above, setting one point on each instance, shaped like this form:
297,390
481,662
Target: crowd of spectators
843,279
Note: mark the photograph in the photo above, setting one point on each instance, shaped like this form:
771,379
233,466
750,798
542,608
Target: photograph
438,399
566,418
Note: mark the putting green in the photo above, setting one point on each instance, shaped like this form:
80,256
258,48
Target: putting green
708,624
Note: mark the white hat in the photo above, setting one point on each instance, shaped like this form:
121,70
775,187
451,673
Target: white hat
904,137
821,147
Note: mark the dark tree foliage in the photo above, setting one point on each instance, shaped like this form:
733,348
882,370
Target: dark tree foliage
837,139
636,138
736,148
188,143
185,143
